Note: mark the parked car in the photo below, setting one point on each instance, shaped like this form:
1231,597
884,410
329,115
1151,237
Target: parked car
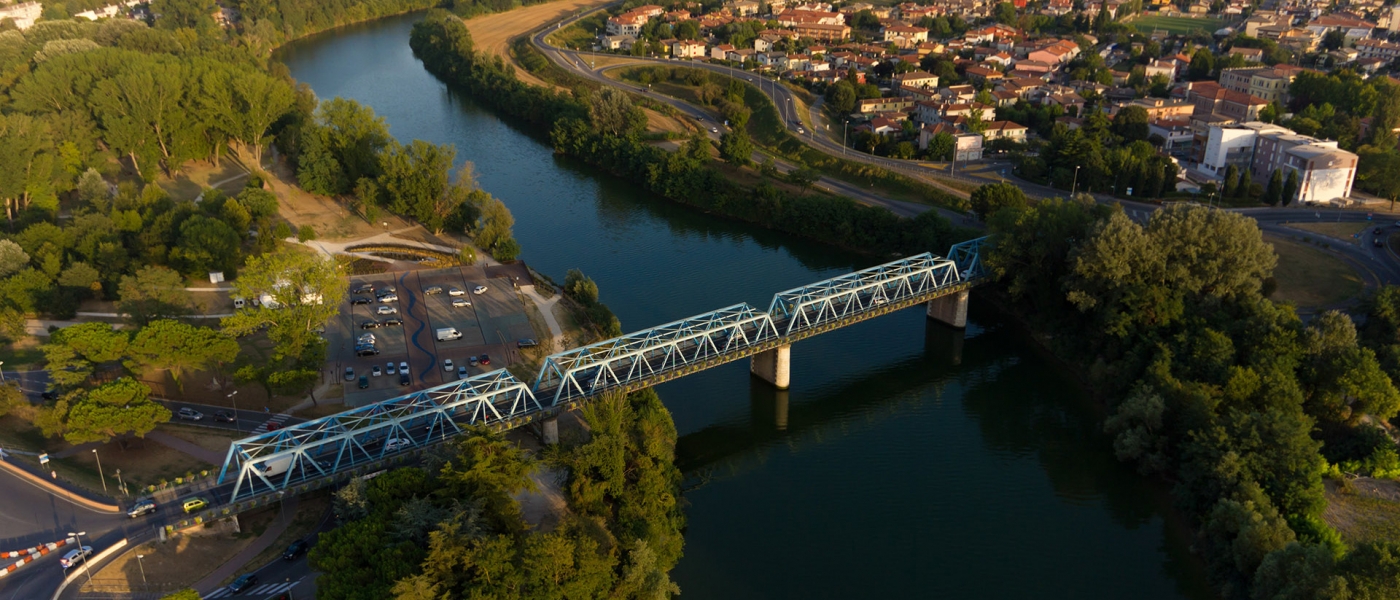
374,371
390,369
358,300
388,298
403,367
243,583
194,504
364,382
224,416
456,292
403,378
471,360
436,289
479,290
392,322
366,351
295,550
386,289
461,373
526,343
142,507
370,324
485,359
363,288
447,365
190,414
460,302
349,373
74,556
385,309
365,338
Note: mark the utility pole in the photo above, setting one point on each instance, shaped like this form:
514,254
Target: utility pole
1075,184
99,469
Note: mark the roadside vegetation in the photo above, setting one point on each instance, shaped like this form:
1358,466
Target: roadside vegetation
1211,386
453,527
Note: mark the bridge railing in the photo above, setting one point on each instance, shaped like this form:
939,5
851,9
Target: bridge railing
636,356
277,459
853,293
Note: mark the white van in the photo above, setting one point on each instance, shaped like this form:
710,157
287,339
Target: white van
448,333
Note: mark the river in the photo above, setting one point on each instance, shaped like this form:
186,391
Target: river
907,461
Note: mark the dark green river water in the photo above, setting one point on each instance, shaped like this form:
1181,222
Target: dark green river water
912,461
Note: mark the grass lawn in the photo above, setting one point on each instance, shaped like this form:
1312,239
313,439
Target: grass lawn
1179,25
1365,510
1341,232
1310,277
182,561
22,354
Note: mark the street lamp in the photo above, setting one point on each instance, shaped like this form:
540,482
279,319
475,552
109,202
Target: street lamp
1075,183
121,484
99,469
142,565
846,124
2,371
79,536
232,396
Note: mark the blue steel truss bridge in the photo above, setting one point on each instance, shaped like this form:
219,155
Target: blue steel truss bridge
362,440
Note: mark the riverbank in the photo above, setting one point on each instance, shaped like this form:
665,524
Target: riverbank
445,46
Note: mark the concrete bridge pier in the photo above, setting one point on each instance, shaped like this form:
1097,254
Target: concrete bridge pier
773,366
950,309
780,409
549,431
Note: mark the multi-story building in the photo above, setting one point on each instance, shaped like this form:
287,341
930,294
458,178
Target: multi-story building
1386,51
1210,98
1267,83
1162,108
24,14
823,32
1324,171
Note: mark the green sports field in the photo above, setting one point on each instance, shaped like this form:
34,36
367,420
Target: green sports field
1150,23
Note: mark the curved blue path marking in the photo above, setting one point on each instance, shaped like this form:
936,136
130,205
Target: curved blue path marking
412,300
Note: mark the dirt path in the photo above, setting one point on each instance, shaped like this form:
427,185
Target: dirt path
493,32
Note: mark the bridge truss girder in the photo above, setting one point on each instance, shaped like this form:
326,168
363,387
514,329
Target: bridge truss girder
277,459
851,294
646,353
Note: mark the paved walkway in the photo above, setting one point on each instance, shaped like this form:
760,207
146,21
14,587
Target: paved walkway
388,238
547,310
214,581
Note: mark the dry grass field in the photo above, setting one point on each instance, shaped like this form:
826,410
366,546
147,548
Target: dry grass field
492,33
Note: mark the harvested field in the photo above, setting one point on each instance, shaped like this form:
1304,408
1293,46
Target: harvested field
492,33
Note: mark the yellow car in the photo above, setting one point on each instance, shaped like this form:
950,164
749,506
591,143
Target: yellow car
194,504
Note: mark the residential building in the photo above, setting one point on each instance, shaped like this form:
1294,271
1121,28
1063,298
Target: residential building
1386,51
823,32
1176,133
1253,55
687,49
877,105
917,79
1209,98
721,52
24,14
1163,108
1232,145
743,8
1268,83
1325,172
997,130
629,24
903,36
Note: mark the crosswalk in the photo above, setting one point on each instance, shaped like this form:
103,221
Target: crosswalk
278,418
262,591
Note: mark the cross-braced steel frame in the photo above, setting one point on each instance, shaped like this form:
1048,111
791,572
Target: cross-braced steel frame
650,352
278,459
851,294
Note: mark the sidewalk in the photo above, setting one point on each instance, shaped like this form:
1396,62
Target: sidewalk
215,579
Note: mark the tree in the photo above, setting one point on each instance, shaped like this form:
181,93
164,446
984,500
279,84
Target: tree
1290,188
1202,63
180,347
1231,185
736,148
13,259
341,146
259,101
205,245
1006,13
611,112
1246,182
1131,123
1274,193
109,410
491,470
1379,172
942,147
184,13
841,97
306,291
416,178
992,197
804,177
154,292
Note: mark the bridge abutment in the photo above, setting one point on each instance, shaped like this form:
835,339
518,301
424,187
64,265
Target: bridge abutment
773,366
549,431
950,309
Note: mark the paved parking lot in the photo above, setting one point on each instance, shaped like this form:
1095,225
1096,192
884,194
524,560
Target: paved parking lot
490,325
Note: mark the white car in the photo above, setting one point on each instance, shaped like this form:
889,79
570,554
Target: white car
461,372
375,372
403,367
390,369
447,365
479,290
456,292
73,556
389,298
385,309
396,444
460,302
